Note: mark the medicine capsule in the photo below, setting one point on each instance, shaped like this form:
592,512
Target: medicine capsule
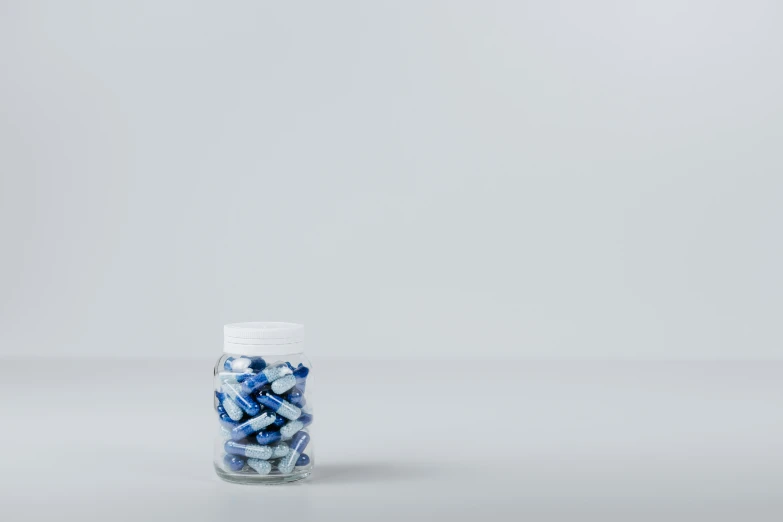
257,364
296,397
253,425
232,408
268,436
242,377
233,462
301,372
244,401
280,450
253,451
262,467
283,384
280,406
303,460
279,422
231,377
225,420
288,431
296,447
270,374
237,364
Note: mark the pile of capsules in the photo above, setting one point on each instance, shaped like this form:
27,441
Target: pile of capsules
262,417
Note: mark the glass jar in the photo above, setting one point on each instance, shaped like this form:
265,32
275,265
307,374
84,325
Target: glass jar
263,404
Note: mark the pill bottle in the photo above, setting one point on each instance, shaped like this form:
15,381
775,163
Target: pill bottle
263,405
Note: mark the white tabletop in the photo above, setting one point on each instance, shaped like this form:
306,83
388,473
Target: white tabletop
113,439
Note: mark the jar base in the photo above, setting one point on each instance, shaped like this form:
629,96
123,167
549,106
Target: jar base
254,478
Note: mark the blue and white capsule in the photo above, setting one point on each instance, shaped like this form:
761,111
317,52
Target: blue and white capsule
268,437
257,364
252,451
253,425
291,428
301,372
296,397
232,408
283,384
225,420
233,462
243,400
225,434
237,364
280,406
262,467
280,450
296,447
241,364
268,375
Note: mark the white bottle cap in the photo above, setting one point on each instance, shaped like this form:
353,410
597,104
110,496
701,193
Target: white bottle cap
263,338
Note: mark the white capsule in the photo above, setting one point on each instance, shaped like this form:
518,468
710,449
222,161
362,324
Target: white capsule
286,464
291,428
262,467
255,451
283,384
241,364
276,371
281,450
288,430
232,408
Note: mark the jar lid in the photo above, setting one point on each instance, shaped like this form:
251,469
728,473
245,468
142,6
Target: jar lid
262,338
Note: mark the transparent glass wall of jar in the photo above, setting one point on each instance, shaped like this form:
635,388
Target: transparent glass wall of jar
263,405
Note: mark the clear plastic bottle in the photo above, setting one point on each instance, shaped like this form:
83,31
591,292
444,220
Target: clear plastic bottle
263,405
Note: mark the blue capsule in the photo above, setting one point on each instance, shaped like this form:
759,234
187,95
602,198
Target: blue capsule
296,447
296,397
288,431
268,437
253,425
303,460
279,421
233,462
244,401
253,451
280,406
268,375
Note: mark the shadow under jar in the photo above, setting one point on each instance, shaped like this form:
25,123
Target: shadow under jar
263,405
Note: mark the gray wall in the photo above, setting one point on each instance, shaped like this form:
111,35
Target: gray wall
542,179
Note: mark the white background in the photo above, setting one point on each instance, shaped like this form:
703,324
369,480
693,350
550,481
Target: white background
536,179
417,181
